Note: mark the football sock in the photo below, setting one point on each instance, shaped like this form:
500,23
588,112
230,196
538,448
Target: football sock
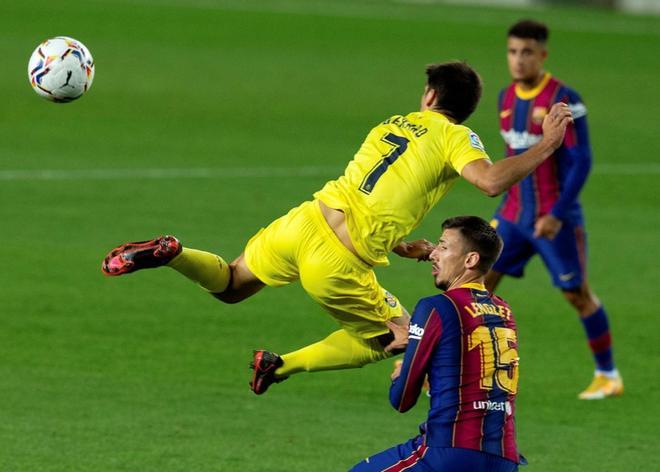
211,272
340,350
597,329
610,374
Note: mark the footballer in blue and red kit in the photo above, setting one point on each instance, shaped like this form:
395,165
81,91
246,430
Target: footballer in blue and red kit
553,188
465,342
542,213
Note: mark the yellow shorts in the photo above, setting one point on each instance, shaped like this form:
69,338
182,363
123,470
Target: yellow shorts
301,245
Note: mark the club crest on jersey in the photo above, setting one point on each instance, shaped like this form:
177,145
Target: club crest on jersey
390,299
476,142
538,113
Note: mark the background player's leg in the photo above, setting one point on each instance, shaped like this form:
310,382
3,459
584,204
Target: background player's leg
583,300
607,380
516,253
596,326
565,258
595,323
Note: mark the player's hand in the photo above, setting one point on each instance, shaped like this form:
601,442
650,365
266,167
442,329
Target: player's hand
555,123
548,226
420,249
397,370
400,333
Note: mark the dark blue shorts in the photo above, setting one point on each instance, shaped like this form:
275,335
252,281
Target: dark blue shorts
565,256
414,455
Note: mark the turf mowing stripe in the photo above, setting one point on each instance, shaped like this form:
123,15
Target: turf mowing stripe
174,173
634,169
449,11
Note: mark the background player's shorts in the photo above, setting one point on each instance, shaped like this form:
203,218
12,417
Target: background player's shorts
301,245
414,455
564,256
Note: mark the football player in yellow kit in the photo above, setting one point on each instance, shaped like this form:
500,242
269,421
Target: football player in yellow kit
331,243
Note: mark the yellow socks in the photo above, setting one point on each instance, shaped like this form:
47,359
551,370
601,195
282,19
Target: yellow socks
340,350
211,272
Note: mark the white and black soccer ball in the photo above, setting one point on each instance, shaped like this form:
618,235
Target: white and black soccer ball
61,69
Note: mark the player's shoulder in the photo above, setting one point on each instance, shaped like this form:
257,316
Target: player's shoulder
435,302
566,91
499,300
510,87
463,134
506,92
442,303
426,302
571,96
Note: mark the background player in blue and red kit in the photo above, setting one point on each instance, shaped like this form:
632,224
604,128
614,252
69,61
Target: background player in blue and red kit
465,340
542,213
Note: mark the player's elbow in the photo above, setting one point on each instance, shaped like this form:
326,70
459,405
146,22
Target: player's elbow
402,404
491,188
493,192
487,177
401,407
397,403
488,183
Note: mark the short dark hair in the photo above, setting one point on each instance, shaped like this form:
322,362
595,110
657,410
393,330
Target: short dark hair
458,87
479,237
530,29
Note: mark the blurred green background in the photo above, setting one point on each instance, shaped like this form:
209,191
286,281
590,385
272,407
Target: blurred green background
208,119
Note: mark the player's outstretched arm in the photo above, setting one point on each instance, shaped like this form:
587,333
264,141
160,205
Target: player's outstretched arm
493,179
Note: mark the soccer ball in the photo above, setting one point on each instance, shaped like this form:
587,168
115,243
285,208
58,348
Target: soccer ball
61,69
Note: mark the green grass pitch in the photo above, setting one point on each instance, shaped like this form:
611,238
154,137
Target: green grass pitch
145,373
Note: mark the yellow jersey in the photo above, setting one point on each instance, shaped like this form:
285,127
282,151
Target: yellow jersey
403,168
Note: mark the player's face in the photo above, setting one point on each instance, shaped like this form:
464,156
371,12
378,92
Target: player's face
448,258
525,57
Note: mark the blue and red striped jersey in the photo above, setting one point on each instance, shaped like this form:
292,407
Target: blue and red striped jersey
555,185
465,340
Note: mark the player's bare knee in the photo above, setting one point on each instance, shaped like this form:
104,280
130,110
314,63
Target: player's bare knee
582,300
